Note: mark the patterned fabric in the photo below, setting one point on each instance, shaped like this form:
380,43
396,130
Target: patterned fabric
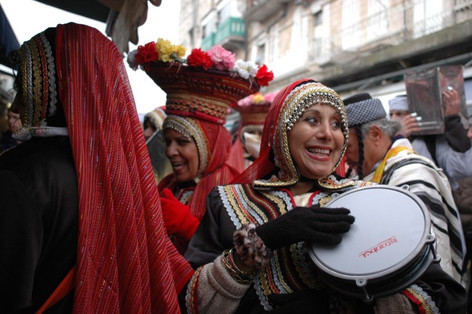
430,184
290,268
195,92
362,108
287,108
115,181
38,78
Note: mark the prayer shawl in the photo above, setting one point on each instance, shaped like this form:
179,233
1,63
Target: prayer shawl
430,184
125,260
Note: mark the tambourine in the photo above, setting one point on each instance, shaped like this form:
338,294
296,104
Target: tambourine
388,247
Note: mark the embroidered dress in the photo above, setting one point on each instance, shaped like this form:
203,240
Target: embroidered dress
290,268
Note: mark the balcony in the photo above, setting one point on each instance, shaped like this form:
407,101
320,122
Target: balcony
231,33
208,42
261,10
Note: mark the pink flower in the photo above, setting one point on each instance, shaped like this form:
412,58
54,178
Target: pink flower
222,58
246,101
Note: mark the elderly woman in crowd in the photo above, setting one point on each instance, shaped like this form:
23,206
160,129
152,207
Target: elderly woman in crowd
250,250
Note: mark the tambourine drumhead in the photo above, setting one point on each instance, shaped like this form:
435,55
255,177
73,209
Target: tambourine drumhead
390,232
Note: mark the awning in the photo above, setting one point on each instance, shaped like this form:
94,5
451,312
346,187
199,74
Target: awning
8,40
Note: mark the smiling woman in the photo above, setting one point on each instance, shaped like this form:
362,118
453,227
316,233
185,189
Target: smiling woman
250,252
199,92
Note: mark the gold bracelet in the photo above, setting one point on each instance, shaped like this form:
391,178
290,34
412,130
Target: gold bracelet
234,272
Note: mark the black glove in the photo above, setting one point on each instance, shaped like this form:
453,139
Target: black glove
312,224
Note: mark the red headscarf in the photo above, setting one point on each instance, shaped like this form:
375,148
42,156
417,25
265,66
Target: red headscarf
125,260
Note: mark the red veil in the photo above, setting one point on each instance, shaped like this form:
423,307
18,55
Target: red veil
125,260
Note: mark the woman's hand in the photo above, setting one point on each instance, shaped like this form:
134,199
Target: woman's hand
177,217
312,224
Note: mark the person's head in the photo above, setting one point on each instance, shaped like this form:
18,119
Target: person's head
305,136
252,111
370,132
37,101
398,107
152,122
14,121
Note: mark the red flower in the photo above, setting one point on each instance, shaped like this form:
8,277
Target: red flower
199,58
263,76
147,53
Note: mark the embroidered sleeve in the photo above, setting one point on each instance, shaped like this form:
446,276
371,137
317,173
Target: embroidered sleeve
213,290
424,301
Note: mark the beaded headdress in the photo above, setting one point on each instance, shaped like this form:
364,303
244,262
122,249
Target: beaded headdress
190,128
38,89
287,108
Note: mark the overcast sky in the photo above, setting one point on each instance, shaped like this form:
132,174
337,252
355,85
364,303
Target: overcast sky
29,17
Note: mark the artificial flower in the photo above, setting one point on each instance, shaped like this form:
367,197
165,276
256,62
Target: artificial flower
270,96
263,76
217,57
146,53
133,64
165,49
222,58
199,58
179,50
246,101
245,69
258,98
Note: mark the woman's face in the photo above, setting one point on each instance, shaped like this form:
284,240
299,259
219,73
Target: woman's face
315,141
14,122
148,130
183,155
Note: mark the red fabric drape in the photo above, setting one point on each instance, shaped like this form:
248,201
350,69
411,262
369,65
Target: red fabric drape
236,156
125,260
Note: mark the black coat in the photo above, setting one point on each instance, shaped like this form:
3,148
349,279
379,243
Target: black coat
38,223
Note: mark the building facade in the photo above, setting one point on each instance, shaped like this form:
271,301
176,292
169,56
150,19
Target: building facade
349,45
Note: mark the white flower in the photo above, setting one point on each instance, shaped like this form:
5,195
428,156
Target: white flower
132,60
246,69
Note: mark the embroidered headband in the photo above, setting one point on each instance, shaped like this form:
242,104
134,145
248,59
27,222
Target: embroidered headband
191,129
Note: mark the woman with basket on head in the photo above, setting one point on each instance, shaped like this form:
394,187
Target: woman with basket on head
199,91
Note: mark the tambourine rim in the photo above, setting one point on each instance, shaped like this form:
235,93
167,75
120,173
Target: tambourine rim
390,270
